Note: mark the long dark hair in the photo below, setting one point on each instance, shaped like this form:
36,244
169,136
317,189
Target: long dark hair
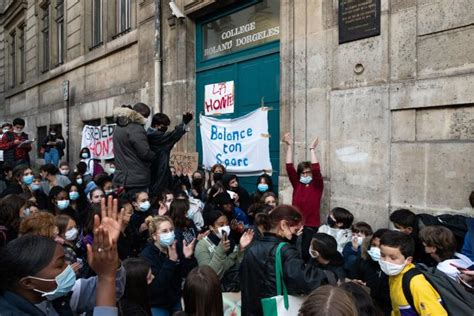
136,287
202,293
82,203
10,211
24,256
178,211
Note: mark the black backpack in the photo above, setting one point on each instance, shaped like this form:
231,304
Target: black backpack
455,299
456,223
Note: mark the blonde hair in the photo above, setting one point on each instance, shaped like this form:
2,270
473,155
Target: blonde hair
153,223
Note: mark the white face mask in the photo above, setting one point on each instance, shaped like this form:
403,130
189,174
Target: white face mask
64,172
223,229
391,269
71,234
360,240
374,253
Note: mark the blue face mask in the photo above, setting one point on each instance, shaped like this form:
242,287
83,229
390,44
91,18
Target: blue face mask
144,206
262,187
85,155
374,253
306,179
35,187
62,205
65,281
28,179
167,239
73,195
79,181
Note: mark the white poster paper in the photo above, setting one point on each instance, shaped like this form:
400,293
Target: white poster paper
99,140
219,98
241,144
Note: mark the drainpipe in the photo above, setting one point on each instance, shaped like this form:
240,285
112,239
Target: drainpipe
158,58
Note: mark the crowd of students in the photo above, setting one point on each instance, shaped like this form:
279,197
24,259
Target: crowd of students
140,238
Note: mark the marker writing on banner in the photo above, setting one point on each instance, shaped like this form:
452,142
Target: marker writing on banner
235,137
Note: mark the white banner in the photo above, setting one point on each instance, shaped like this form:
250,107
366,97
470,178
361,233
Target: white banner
241,144
219,98
99,140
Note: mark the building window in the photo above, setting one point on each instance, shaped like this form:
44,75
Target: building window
12,59
123,16
60,28
21,49
42,132
45,34
96,23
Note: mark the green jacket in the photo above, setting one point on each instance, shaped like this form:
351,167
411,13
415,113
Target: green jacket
207,253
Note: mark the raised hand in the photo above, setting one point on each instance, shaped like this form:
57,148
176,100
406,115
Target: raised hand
188,250
103,256
315,143
187,117
111,218
287,139
246,239
172,253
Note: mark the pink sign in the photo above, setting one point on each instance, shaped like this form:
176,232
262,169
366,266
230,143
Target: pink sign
219,98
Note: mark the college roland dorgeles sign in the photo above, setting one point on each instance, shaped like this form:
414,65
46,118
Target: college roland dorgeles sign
253,26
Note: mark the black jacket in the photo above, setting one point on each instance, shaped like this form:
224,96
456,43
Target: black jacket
165,289
336,266
369,272
60,146
132,153
258,273
161,144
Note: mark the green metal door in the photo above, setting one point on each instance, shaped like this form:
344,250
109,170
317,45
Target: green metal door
256,75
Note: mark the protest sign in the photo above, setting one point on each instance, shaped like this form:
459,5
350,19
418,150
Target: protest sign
99,140
186,162
241,144
219,98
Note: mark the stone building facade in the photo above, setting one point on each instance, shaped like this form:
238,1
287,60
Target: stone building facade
394,112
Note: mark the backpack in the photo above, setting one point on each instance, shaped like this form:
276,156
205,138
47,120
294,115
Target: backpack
456,223
455,299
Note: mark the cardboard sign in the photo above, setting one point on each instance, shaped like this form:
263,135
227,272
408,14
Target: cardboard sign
241,144
186,162
219,98
99,140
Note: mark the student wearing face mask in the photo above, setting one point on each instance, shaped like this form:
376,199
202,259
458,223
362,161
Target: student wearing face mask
198,190
259,261
168,269
185,229
52,177
308,185
141,210
264,185
53,147
77,200
352,250
35,279
161,142
22,178
15,151
64,169
366,271
396,260
339,226
240,195
94,167
324,255
220,251
69,233
60,203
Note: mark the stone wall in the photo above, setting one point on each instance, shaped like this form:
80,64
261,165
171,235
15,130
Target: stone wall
118,72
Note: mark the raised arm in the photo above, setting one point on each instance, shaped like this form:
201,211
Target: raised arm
289,151
312,150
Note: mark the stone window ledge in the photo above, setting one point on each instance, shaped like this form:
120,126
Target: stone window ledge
105,50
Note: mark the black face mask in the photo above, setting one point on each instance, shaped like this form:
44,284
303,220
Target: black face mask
331,222
217,176
197,182
163,129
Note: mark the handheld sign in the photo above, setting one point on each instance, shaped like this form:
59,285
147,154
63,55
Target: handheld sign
219,98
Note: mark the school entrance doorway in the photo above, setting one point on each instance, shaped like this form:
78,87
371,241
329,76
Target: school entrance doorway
242,45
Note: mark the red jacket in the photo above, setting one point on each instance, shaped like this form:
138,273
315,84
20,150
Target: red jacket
6,144
307,197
